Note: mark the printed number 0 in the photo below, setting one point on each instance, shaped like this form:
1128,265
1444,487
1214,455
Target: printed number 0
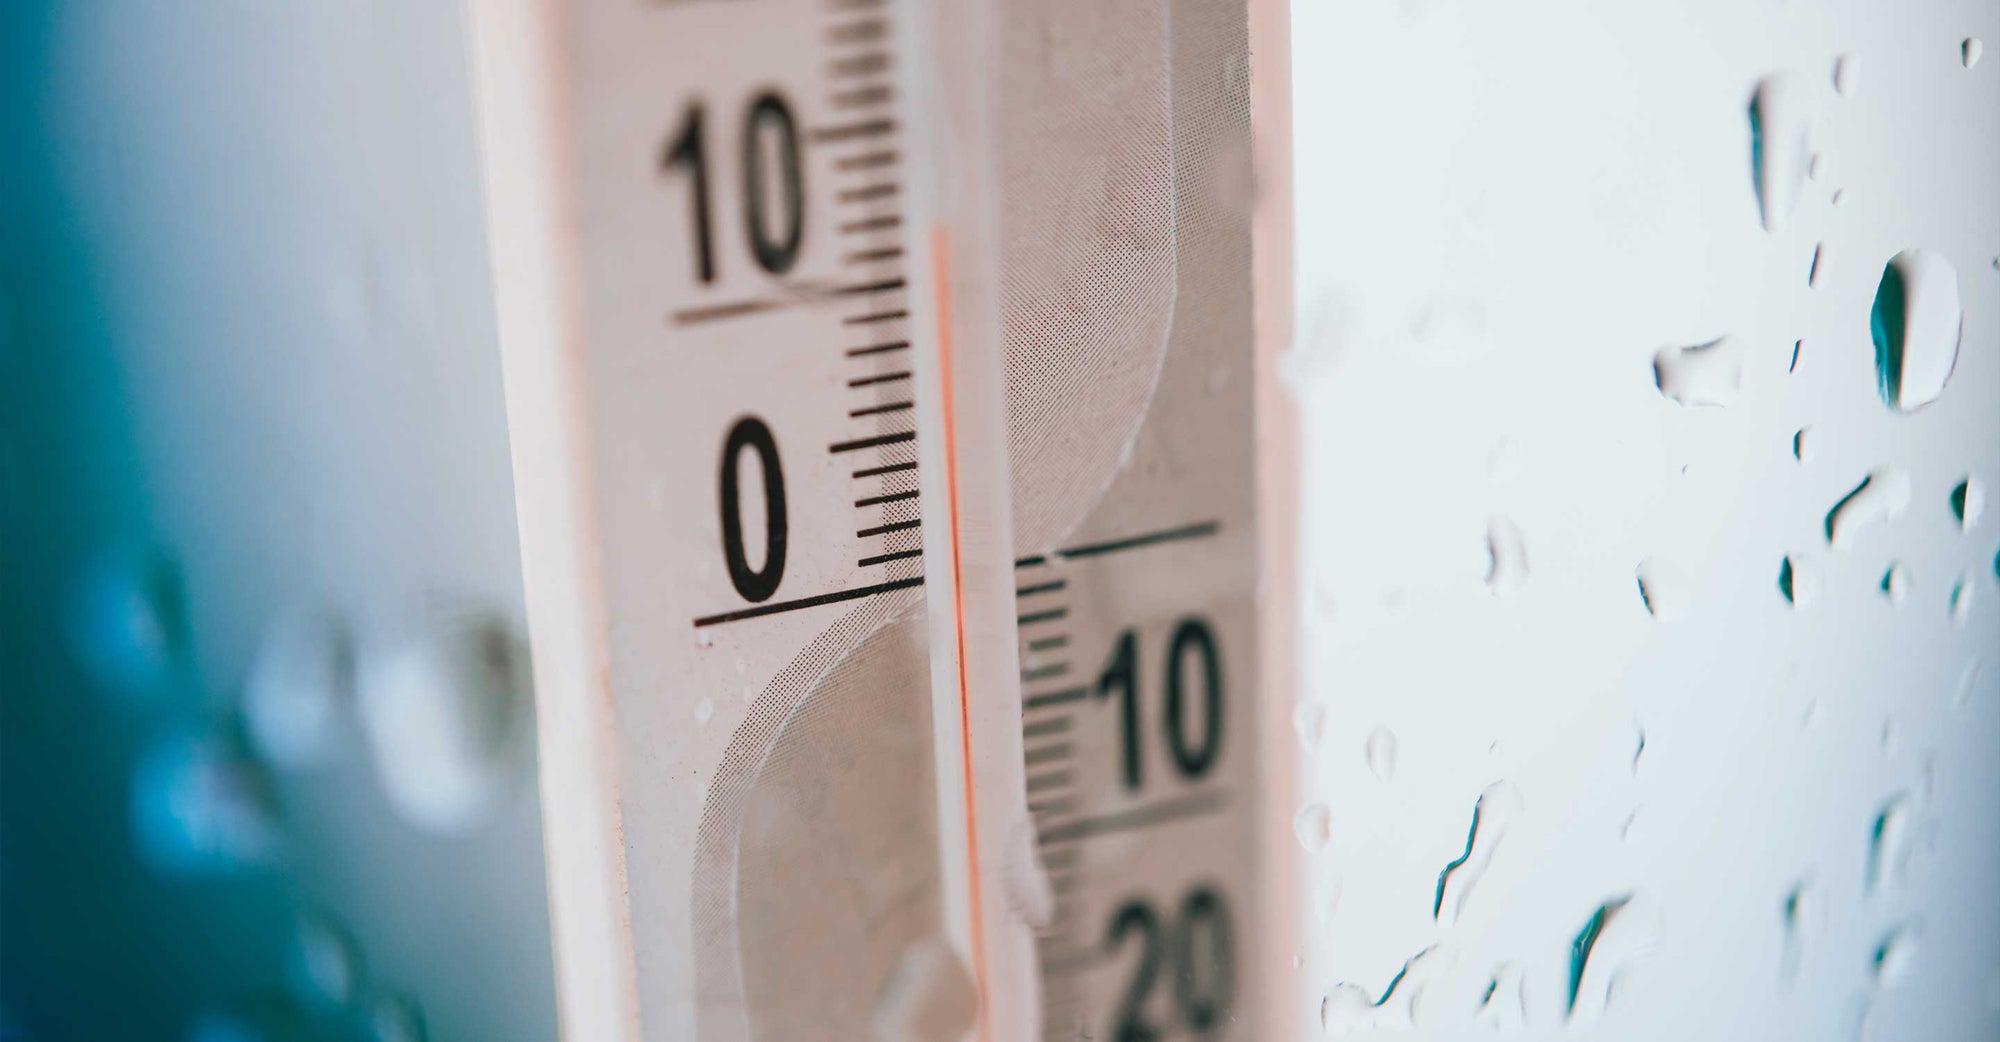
755,584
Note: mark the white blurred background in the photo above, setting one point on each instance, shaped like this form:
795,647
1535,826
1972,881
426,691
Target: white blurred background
1504,213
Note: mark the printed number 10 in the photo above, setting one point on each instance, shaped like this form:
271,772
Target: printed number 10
1193,750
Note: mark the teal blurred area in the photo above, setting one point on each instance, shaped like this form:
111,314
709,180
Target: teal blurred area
256,510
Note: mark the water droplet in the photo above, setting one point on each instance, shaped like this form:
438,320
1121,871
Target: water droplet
1969,51
323,967
1780,142
1819,266
1380,753
1345,1010
1810,718
1492,815
1896,583
1968,502
1896,956
1313,825
1662,589
1309,721
1813,166
1961,599
1633,830
1846,75
1708,374
1508,570
1916,324
1889,842
197,808
1968,682
1889,735
704,710
928,997
1861,1014
1298,960
1881,496
1405,1005
703,638
1638,745
396,1018
1326,898
1799,580
1620,932
1805,445
302,678
1798,350
445,714
1804,910
1503,1009
1839,196
126,621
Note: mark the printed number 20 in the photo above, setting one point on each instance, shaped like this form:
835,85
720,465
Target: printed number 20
1198,950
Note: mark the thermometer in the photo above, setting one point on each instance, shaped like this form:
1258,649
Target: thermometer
880,378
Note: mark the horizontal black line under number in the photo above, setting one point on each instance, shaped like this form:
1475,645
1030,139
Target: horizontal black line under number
1198,530
1137,818
760,610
